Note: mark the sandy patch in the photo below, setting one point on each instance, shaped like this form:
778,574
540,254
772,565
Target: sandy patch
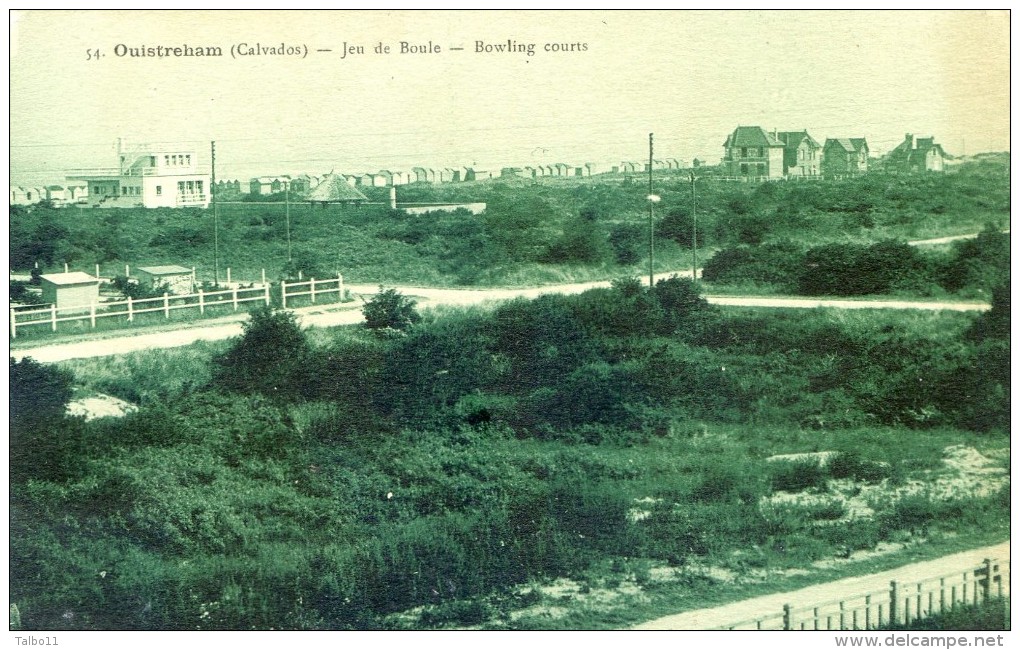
100,406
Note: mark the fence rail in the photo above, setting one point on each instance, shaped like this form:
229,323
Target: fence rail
901,604
166,303
315,287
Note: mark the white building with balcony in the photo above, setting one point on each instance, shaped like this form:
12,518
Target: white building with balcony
148,177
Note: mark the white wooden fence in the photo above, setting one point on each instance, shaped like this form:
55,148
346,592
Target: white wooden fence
314,288
52,315
901,604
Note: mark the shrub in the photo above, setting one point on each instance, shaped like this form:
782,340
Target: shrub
795,476
776,263
271,357
38,393
390,309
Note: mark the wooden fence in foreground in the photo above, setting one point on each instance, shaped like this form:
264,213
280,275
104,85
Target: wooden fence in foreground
901,604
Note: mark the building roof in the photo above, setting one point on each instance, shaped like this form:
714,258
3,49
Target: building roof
751,136
334,189
794,138
850,145
71,278
170,269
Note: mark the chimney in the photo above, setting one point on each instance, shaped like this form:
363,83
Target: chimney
910,140
393,198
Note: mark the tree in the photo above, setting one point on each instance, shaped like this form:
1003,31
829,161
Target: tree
389,308
272,356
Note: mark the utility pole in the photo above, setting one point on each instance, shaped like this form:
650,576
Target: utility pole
287,199
651,219
216,221
694,239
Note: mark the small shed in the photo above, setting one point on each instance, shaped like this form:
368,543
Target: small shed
73,291
178,279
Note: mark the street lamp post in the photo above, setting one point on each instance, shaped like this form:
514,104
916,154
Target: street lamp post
652,200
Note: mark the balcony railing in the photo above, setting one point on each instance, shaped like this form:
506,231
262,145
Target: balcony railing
137,171
191,199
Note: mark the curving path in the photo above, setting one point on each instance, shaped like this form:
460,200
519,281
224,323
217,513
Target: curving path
332,315
724,615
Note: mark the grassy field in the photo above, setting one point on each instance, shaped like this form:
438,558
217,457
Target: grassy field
580,462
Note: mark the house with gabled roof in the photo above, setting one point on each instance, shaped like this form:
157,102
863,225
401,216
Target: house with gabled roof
917,155
802,155
845,156
751,153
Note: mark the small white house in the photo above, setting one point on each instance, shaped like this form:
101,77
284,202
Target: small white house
73,291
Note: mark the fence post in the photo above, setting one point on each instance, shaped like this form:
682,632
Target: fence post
842,615
920,597
867,614
894,607
300,276
92,314
53,316
263,276
942,595
127,270
201,302
14,324
235,298
283,293
266,286
228,275
340,286
787,617
166,304
988,579
312,286
97,271
131,311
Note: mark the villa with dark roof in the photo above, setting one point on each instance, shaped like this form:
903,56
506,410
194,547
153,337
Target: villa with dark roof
845,156
802,155
751,153
917,155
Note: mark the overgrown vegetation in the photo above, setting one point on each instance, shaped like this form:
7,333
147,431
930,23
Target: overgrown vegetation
977,266
283,481
530,232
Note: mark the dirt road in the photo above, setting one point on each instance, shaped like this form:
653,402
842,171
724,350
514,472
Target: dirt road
325,316
725,615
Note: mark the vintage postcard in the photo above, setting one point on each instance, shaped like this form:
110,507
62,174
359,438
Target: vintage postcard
404,320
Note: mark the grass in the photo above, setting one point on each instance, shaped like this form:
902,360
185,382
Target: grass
456,502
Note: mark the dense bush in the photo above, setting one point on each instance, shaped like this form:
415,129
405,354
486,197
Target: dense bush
776,263
272,357
390,309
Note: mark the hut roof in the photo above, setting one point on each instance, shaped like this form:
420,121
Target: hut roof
334,189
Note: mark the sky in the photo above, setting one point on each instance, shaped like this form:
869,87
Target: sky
688,77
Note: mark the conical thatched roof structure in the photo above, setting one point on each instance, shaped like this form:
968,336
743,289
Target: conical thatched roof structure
334,189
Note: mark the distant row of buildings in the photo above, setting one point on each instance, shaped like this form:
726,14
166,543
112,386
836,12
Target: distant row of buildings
751,152
268,185
154,177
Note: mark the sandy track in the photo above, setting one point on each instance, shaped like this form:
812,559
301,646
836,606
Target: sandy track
326,316
716,617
